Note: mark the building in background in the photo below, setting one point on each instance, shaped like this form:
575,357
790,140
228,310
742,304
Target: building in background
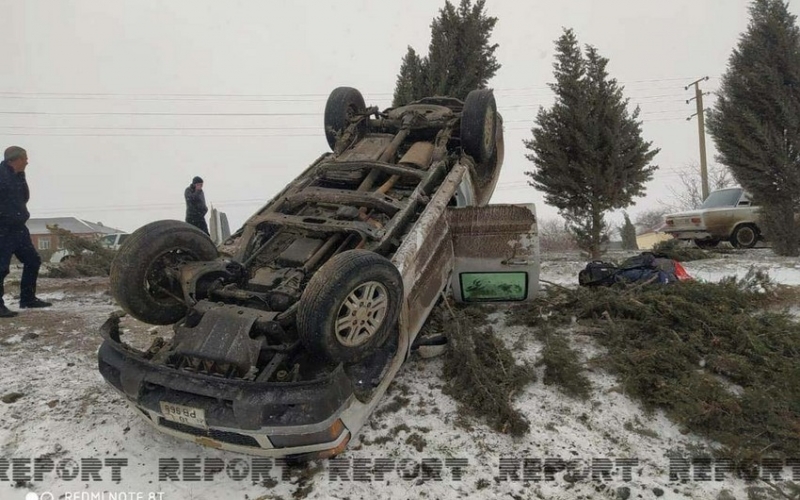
648,237
44,240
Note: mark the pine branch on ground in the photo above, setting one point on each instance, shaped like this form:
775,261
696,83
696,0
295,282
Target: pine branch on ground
720,359
482,374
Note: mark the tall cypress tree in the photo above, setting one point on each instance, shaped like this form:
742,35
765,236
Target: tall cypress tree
755,122
460,57
628,234
588,151
411,80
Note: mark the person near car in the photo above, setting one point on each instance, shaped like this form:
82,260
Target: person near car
196,208
15,240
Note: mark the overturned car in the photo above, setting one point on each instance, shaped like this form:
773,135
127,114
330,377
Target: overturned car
287,335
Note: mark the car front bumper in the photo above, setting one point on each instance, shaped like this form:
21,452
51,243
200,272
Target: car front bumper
302,420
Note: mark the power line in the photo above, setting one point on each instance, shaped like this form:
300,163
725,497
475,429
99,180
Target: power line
182,95
158,113
507,186
162,136
279,128
153,206
232,97
48,127
165,136
145,113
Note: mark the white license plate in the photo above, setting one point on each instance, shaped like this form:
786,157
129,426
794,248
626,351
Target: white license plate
195,417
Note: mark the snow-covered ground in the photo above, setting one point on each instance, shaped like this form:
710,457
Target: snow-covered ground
67,413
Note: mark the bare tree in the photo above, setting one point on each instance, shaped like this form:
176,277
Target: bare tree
555,237
649,219
690,195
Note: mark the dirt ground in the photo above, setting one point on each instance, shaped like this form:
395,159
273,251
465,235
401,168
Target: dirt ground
55,405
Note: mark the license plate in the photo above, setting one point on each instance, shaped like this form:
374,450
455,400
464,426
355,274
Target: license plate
195,417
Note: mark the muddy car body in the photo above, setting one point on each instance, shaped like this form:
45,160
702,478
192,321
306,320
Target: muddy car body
287,336
726,215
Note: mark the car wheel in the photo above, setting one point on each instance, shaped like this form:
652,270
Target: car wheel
350,306
140,278
343,104
745,236
479,125
705,244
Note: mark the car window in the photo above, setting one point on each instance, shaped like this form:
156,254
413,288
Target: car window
107,241
122,238
499,286
724,198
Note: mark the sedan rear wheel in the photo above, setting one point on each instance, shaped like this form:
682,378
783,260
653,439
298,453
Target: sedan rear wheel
745,236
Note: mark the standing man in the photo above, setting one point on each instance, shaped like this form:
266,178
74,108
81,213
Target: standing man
14,236
196,208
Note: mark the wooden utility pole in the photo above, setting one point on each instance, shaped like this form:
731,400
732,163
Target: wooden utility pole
701,129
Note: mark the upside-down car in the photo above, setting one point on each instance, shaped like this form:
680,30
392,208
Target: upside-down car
287,335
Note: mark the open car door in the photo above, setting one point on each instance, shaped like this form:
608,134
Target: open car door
496,253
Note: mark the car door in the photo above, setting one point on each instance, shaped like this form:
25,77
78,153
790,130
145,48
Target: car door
496,253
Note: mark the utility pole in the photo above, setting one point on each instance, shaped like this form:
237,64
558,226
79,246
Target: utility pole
701,129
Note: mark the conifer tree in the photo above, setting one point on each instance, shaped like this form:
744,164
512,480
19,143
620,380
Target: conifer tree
628,233
411,80
755,122
460,57
587,149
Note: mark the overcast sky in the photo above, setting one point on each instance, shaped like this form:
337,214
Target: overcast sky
120,103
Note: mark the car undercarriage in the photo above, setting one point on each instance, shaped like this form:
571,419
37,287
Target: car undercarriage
287,334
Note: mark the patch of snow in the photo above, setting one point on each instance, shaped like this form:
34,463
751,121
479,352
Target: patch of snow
14,339
68,411
52,296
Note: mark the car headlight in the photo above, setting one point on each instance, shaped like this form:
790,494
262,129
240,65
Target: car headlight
328,435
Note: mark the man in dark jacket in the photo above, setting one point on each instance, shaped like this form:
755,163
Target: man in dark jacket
14,236
196,208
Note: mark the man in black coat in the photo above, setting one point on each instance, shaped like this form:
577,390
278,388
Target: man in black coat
15,239
196,208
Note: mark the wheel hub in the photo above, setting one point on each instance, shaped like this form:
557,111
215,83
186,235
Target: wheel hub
361,314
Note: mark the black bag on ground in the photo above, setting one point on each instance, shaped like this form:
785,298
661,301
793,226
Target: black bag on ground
597,273
642,268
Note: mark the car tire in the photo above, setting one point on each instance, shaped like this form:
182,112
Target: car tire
706,244
479,125
343,104
745,236
335,318
137,270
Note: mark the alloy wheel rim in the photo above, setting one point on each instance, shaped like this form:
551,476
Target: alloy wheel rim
361,314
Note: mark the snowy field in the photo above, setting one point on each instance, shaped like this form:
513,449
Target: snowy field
63,412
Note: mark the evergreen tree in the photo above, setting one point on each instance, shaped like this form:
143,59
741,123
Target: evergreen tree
587,149
411,80
460,56
756,120
628,233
